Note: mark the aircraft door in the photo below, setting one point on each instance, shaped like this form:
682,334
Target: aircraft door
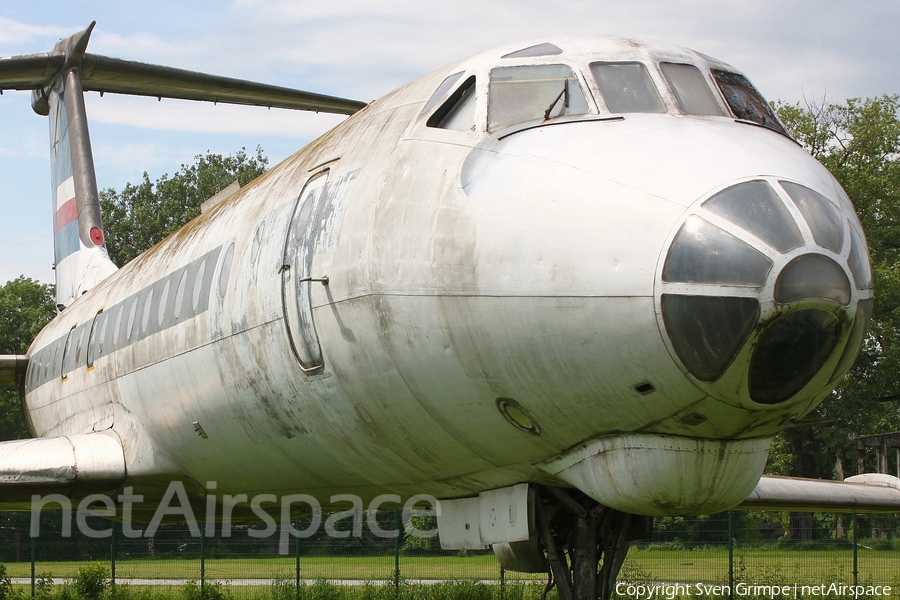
296,276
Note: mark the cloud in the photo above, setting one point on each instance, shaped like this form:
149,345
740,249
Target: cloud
13,32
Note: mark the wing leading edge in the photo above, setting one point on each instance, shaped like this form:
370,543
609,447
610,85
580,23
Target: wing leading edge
868,493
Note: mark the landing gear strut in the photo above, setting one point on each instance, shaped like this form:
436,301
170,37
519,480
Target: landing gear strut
585,542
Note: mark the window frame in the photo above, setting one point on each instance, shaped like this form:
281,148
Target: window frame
578,75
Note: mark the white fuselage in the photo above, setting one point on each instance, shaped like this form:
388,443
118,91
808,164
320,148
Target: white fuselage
463,267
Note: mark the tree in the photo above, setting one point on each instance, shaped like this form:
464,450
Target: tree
25,307
135,219
859,142
143,214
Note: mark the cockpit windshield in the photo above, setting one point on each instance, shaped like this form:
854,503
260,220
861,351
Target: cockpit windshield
527,93
745,102
627,88
537,93
691,90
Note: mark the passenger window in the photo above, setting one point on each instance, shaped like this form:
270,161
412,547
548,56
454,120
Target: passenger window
627,88
198,286
458,112
225,270
131,315
79,347
161,313
691,90
148,309
94,345
745,101
68,356
179,295
529,93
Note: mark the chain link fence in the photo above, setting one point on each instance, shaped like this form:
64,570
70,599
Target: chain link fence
722,549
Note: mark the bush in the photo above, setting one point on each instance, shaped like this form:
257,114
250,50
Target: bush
877,544
43,588
210,591
90,581
6,588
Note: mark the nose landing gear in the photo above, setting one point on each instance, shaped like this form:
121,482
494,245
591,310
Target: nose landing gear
585,542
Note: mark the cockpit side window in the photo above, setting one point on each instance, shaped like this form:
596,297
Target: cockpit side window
691,90
441,90
528,93
627,87
745,101
458,112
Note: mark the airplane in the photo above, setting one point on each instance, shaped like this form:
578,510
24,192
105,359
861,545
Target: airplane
563,286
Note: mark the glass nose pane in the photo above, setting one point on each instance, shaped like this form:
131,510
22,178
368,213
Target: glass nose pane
790,353
813,276
857,336
859,262
822,216
756,208
708,331
703,253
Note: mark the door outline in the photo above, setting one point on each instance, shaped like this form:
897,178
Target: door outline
296,268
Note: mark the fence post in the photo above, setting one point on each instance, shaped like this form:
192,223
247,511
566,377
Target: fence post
33,542
855,550
502,583
397,525
730,555
112,554
203,560
297,558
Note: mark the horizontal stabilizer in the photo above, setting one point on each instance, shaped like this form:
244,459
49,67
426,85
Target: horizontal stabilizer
115,75
869,493
74,465
12,370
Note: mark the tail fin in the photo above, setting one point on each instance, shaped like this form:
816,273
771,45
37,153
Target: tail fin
81,258
58,80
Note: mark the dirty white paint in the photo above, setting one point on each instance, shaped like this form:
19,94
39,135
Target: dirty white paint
463,267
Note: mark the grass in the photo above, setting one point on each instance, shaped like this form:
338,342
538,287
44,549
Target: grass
710,564
460,574
282,590
313,567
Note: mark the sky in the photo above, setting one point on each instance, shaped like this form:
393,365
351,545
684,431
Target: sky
793,50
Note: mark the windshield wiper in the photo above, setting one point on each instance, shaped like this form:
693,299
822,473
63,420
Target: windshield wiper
564,94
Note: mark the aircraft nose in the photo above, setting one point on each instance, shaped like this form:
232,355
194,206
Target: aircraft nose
766,288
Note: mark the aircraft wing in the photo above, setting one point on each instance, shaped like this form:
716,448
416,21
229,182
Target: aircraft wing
868,493
12,370
115,75
73,465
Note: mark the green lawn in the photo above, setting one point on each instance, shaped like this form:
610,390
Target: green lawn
766,565
312,567
769,565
